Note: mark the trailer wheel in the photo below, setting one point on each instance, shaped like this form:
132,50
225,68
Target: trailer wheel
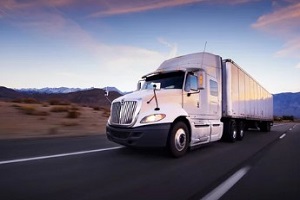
231,130
240,130
178,139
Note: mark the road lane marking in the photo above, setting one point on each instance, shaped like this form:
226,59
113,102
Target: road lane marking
282,136
219,191
57,155
278,124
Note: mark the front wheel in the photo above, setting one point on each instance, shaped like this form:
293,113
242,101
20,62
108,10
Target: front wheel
178,139
230,131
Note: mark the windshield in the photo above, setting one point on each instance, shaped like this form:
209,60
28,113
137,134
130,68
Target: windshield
172,80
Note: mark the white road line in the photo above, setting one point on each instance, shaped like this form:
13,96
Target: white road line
294,125
282,136
219,191
278,124
57,155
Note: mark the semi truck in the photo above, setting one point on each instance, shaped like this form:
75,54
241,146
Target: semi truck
189,101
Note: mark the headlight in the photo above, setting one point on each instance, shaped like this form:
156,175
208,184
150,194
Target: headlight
153,118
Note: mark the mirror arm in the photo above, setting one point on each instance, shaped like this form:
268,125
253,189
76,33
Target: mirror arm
193,92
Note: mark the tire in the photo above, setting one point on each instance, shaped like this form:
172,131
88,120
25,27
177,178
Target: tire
231,131
240,130
178,139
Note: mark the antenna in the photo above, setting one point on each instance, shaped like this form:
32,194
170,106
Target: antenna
203,53
205,46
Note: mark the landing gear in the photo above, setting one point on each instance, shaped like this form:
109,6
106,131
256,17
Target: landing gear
265,127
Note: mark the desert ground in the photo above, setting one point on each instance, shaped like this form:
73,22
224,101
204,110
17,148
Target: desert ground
34,120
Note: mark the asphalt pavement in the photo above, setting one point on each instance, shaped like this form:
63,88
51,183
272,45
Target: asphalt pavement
262,166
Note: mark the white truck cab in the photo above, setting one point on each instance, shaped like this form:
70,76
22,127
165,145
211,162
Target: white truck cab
188,101
178,106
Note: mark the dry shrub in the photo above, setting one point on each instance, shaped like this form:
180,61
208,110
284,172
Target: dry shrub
30,100
17,101
45,104
58,102
28,110
41,113
31,110
73,107
105,112
15,106
26,100
96,108
73,114
59,109
69,123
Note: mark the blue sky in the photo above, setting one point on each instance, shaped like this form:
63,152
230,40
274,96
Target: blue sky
98,43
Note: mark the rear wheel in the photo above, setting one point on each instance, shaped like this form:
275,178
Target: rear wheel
240,130
178,139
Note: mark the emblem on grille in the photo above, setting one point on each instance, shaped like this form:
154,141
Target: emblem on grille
122,102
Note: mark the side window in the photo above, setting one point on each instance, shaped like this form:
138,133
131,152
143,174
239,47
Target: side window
213,88
191,83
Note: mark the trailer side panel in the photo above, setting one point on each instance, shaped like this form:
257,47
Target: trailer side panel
243,97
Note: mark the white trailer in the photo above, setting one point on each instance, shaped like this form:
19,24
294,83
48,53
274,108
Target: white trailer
188,101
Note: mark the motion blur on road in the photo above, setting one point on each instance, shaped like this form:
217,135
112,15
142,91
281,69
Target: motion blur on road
92,168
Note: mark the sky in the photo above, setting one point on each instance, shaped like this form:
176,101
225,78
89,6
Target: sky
99,43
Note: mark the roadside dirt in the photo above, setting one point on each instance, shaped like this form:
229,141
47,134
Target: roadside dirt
20,120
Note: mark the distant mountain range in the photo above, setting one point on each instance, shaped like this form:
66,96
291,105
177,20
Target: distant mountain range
287,104
284,103
62,90
86,97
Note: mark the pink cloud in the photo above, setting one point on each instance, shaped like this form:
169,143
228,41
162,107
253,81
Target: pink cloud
114,7
284,22
131,6
288,17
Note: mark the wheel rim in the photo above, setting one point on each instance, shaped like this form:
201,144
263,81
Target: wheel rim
241,129
180,139
234,133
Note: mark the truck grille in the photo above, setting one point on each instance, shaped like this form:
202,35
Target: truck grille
123,113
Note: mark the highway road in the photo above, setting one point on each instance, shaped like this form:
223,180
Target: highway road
262,166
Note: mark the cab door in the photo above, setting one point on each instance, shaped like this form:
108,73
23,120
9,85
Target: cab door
192,105
214,108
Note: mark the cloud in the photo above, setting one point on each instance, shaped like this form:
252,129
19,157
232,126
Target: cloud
172,46
116,7
111,62
284,22
131,6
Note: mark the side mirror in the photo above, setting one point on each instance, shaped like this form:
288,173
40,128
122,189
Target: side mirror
106,93
156,86
191,84
140,84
